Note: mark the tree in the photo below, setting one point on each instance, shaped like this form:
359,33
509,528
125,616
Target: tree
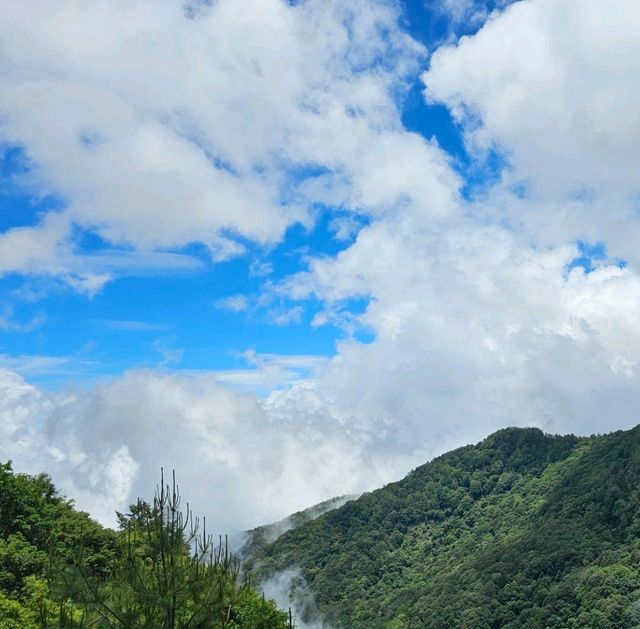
169,574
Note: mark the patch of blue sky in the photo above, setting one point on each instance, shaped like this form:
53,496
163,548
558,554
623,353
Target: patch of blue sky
426,22
89,240
13,161
435,122
168,319
482,172
436,22
432,24
357,331
592,255
19,206
320,239
159,321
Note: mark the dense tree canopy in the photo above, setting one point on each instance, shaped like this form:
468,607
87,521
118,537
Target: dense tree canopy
521,530
59,568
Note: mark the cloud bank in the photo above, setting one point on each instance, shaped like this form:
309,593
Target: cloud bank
473,333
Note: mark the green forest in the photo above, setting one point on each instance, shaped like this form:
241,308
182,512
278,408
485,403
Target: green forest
521,530
160,569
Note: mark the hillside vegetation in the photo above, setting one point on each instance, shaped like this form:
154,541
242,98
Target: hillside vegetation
257,539
522,530
59,568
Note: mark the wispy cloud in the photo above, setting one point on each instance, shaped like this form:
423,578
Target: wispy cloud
132,325
266,372
34,364
170,355
48,370
260,268
233,303
10,323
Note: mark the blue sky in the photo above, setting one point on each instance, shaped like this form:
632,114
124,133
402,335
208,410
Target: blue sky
158,319
299,248
133,319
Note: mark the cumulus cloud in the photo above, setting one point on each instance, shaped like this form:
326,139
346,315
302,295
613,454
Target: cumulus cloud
552,83
475,330
553,86
174,129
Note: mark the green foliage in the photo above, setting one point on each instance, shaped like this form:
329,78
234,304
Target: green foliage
168,574
59,568
15,615
256,612
522,530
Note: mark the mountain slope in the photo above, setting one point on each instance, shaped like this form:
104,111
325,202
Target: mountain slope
257,539
521,530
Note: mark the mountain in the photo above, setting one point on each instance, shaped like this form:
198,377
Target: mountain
257,539
521,530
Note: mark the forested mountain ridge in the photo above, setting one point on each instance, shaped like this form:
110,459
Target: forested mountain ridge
521,530
258,538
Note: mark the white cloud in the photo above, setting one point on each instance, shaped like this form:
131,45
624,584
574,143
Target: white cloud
344,227
30,365
105,446
47,249
19,402
554,86
170,355
177,130
10,323
266,372
233,303
132,325
286,316
475,330
260,269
